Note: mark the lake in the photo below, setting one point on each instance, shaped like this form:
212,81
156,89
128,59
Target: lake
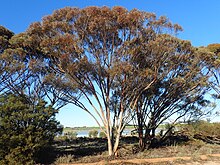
85,133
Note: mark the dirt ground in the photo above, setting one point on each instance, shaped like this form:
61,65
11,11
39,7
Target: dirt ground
211,159
94,152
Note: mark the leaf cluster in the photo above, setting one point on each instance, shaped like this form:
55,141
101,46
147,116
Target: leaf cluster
25,129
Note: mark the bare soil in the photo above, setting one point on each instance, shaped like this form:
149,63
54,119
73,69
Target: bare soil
211,159
203,160
86,151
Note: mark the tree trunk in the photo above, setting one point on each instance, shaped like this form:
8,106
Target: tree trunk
141,139
116,144
110,151
153,133
147,135
140,132
118,130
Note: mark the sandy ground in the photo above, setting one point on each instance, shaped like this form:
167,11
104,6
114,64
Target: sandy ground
202,160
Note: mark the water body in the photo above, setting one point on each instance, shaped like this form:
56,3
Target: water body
85,133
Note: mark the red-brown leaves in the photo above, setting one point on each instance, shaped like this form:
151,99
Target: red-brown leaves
5,35
107,42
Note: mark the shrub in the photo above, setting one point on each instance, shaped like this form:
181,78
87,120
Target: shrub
102,134
206,128
65,159
201,127
93,133
25,129
71,135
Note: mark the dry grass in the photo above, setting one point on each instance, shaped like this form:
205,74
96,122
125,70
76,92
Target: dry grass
85,152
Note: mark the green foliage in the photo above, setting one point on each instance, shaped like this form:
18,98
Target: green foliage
206,128
201,127
25,129
102,134
71,135
93,133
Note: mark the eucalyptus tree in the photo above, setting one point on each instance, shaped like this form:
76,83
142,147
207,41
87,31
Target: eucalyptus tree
91,54
179,90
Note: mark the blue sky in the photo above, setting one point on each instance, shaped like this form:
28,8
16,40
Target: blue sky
200,20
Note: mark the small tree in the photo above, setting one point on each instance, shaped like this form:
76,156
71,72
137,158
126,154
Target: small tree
93,133
26,129
71,135
179,88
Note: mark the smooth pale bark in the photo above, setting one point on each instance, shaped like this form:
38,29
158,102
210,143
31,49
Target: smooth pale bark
110,151
116,144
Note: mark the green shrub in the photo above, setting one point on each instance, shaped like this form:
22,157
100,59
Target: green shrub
71,135
202,127
206,128
102,135
26,130
93,133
